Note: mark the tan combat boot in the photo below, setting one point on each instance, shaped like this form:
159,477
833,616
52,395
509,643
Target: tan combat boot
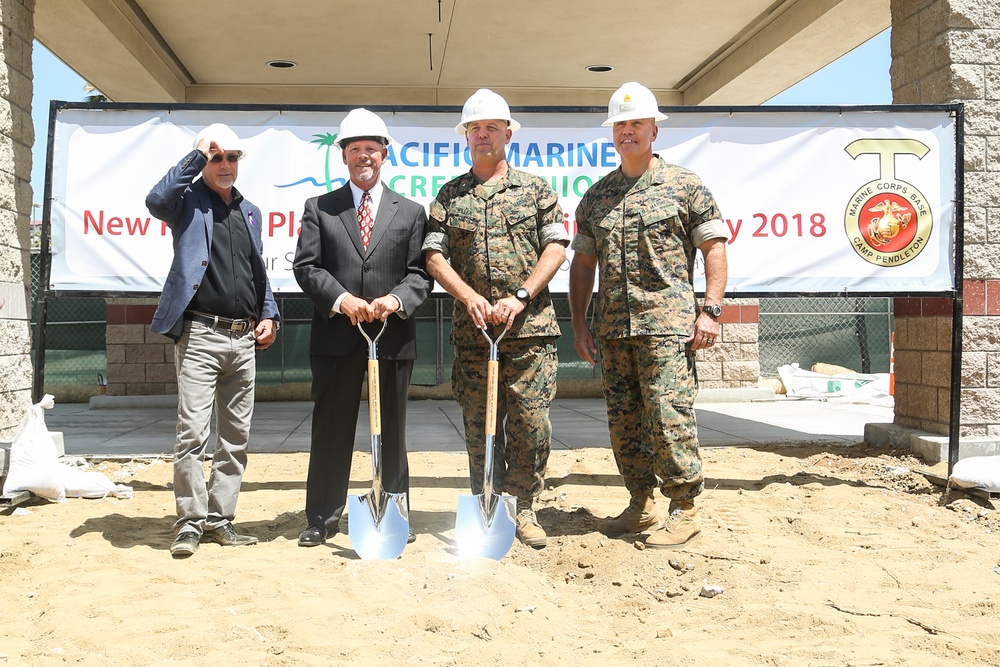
637,517
528,531
680,527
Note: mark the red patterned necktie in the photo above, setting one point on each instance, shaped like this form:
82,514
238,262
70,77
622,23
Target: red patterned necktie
365,218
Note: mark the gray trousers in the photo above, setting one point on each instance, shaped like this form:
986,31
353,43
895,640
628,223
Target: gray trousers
216,370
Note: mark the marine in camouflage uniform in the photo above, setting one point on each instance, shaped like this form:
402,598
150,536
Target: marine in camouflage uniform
493,237
644,312
643,233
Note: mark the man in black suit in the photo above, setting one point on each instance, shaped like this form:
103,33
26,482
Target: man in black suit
358,259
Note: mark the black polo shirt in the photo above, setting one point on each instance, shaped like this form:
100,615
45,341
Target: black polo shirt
227,289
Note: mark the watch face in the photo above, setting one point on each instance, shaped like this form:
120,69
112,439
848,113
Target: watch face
714,311
522,294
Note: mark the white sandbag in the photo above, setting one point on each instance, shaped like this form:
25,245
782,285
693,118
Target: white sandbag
977,472
86,484
802,383
34,461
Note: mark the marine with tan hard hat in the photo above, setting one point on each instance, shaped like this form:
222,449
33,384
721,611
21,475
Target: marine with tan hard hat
358,259
217,307
641,226
495,239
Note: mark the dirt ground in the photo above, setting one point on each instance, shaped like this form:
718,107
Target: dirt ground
825,556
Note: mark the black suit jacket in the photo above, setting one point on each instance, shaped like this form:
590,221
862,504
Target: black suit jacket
330,260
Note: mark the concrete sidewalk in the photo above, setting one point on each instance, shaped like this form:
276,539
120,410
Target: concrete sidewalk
145,426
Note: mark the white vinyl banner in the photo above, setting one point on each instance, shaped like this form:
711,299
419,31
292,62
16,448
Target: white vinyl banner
815,201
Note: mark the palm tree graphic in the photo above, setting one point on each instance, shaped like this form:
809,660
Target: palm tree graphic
328,140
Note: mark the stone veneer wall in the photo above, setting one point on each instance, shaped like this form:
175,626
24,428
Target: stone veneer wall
734,360
981,351
946,51
16,137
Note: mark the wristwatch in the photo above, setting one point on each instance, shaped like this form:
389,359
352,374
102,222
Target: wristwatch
714,310
523,295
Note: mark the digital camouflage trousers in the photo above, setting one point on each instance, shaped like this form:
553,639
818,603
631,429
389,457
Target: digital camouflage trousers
650,384
527,385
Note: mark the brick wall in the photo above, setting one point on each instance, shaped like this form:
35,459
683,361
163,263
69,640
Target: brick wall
981,358
140,362
923,363
734,360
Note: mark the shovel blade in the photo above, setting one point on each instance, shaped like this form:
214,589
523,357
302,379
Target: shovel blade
481,536
374,537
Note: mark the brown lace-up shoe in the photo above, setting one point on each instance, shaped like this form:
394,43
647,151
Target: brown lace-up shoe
682,526
637,517
528,531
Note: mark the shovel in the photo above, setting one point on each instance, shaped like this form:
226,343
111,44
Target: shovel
484,525
377,522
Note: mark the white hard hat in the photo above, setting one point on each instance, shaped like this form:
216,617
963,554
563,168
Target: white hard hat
630,102
362,124
486,105
223,136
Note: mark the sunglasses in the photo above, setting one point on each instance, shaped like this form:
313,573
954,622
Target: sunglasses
229,157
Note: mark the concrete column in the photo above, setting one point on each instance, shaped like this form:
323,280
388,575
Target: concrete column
946,51
16,137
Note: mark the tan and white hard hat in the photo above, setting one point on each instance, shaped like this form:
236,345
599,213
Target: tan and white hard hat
223,136
486,105
362,124
630,102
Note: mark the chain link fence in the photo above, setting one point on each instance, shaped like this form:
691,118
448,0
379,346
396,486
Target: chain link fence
75,352
853,332
288,359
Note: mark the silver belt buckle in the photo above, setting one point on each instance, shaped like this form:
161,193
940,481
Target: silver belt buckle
241,326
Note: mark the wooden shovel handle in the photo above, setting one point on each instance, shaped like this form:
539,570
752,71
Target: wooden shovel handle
492,380
374,409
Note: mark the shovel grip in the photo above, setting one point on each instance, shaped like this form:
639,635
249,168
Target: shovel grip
492,379
374,409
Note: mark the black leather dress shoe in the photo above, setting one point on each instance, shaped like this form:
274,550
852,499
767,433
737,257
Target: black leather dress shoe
227,536
313,536
411,537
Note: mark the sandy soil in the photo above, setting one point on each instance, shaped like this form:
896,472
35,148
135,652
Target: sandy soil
826,556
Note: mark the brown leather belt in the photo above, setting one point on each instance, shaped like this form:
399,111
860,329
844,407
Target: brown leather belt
220,323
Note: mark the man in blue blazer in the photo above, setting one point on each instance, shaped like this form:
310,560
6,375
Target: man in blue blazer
358,259
217,307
